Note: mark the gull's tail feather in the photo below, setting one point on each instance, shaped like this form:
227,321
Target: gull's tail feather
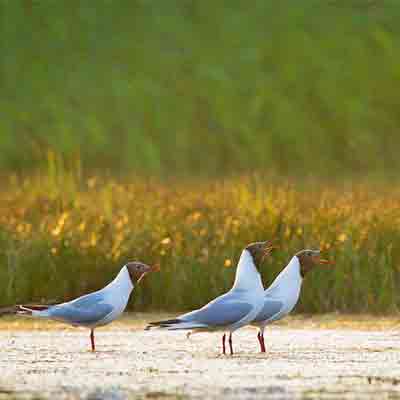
28,309
175,324
32,310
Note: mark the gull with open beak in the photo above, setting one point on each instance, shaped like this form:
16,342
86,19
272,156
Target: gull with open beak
97,308
282,296
234,309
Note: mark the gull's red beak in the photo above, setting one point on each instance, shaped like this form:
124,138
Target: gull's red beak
268,248
318,260
323,261
155,268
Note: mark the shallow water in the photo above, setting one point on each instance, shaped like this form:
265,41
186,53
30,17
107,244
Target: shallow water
302,362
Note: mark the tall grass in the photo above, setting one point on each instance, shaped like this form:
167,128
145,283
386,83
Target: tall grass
202,88
62,237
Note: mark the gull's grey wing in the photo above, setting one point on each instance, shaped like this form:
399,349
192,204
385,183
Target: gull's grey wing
86,310
270,310
222,311
87,300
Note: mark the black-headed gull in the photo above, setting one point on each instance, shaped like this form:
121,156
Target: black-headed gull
235,308
282,296
97,308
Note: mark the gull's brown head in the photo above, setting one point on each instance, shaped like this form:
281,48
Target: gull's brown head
309,259
259,250
138,270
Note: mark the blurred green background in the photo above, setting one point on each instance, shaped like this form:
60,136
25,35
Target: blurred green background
202,87
179,131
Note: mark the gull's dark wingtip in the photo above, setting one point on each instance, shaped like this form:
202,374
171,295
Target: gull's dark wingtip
162,324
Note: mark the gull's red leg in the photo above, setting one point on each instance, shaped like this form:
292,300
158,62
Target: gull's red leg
230,343
262,342
92,339
223,343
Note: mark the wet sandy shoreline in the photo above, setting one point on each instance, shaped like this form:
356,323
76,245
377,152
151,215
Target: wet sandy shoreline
325,357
